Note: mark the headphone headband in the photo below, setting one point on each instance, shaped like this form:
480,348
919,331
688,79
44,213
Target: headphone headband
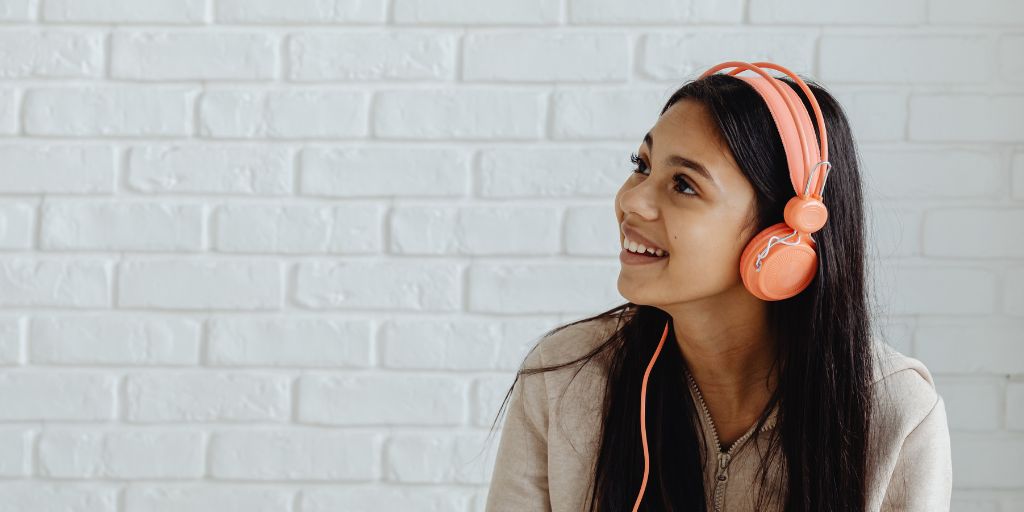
793,121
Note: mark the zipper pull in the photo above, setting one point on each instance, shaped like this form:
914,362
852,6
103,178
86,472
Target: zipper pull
723,467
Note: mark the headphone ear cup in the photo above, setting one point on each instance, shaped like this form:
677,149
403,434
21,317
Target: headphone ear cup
786,271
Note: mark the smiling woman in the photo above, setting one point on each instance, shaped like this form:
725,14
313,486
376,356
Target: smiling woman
755,396
703,218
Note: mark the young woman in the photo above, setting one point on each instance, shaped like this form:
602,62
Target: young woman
698,394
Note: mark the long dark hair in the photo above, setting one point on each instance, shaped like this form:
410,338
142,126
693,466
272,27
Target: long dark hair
824,358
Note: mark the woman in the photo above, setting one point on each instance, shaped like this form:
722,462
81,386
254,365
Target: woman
753,404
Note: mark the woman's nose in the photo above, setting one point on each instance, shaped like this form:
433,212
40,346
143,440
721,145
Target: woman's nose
640,198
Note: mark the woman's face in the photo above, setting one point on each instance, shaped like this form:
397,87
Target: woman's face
700,221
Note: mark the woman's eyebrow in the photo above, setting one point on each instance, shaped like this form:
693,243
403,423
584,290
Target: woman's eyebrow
681,161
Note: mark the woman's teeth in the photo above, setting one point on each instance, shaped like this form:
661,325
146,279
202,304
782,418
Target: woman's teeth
632,246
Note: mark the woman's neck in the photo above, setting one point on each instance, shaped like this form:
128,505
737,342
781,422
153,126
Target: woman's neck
726,345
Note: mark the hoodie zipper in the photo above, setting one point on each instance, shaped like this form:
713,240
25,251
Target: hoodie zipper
722,473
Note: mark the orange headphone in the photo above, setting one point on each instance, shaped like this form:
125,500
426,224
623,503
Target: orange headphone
790,268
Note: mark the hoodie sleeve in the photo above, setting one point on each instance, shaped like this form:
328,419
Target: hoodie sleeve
520,478
923,476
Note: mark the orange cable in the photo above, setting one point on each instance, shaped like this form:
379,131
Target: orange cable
643,418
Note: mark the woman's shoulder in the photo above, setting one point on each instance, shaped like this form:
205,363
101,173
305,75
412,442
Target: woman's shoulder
575,392
571,341
909,451
583,379
904,390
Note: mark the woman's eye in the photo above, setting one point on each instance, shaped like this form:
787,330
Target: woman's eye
681,183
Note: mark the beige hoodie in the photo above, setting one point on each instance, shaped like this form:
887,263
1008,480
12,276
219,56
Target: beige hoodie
546,455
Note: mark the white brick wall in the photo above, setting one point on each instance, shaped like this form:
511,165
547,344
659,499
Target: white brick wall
285,256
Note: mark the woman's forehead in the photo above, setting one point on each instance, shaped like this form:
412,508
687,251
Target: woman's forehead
687,129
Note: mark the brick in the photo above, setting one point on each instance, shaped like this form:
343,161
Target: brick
18,10
605,114
64,496
110,110
971,404
16,452
9,111
325,56
468,113
1013,294
313,342
283,114
932,173
894,57
809,12
520,289
546,57
437,458
542,172
125,11
1018,176
474,230
1009,50
12,334
971,346
986,460
236,169
381,399
273,228
201,285
897,332
56,168
300,11
53,282
980,118
486,398
591,231
893,230
495,12
987,12
873,115
457,346
295,454
664,56
350,229
981,233
397,171
18,219
122,453
121,225
972,501
200,396
113,340
167,497
396,285
1015,406
422,498
935,290
656,12
31,53
154,56
56,395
